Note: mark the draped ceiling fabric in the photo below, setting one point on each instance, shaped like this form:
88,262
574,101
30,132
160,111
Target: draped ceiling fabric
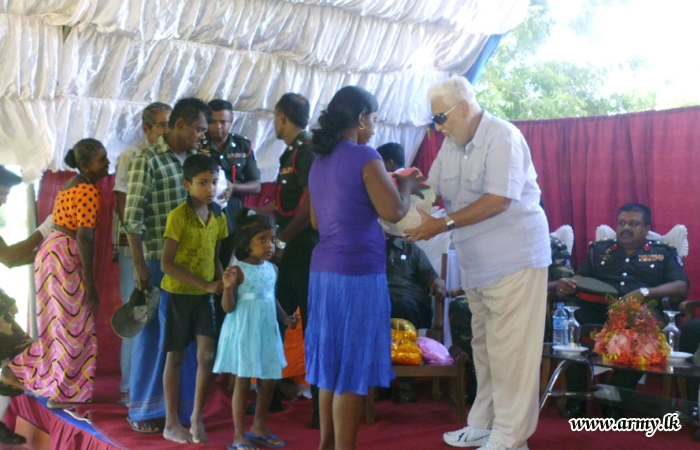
86,68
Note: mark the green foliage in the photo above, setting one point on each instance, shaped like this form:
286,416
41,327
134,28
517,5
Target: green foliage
515,87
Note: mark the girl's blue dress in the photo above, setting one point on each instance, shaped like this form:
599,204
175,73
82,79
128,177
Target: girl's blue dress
250,344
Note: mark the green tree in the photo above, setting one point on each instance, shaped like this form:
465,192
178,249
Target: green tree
515,87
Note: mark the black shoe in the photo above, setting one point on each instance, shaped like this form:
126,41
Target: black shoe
574,408
405,397
9,437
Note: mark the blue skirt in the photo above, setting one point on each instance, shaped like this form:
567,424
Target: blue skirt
348,337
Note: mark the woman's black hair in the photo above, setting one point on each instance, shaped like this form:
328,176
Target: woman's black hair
246,229
342,112
82,152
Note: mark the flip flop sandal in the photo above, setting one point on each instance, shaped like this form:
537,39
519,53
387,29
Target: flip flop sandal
138,426
241,447
266,441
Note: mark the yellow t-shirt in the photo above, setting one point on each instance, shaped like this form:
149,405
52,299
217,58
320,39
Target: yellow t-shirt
196,250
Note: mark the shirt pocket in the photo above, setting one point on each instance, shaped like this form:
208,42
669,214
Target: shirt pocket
473,172
450,182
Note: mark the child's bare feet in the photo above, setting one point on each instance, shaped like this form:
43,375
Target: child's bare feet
199,435
177,433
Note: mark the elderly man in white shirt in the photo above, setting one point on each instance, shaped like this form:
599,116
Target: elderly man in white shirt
485,176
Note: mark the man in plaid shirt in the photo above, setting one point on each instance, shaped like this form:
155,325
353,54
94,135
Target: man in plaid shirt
154,189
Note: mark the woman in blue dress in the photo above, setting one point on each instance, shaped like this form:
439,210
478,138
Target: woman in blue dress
348,338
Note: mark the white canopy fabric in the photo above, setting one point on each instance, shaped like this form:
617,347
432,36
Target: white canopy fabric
86,68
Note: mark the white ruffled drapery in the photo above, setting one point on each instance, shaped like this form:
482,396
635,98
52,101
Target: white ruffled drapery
86,68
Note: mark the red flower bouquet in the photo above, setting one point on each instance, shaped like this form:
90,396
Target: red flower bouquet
632,336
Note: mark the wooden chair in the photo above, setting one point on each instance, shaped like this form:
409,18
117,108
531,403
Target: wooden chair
456,372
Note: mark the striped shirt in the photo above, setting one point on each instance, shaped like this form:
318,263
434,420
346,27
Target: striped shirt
154,189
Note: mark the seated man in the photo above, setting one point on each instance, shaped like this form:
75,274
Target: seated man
412,283
633,265
393,155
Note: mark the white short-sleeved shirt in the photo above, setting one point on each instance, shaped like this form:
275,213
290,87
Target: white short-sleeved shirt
497,161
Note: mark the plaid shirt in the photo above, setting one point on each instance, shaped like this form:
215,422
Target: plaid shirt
154,189
121,178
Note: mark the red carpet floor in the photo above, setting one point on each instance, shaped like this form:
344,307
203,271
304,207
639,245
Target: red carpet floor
414,426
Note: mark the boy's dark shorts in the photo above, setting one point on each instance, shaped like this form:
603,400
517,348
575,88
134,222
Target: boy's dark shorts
188,316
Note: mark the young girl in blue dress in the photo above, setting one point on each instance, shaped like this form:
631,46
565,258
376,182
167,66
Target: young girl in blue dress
250,345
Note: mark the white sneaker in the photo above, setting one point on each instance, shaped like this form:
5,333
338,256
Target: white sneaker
467,437
491,445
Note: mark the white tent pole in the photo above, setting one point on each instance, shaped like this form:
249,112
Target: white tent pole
31,293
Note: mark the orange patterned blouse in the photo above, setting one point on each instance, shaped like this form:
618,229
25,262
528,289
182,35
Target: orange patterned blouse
77,207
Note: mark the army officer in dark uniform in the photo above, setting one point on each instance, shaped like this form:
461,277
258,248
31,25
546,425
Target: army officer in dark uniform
235,156
295,236
633,265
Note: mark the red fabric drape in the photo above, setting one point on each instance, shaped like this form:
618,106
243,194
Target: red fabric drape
427,151
106,272
266,195
64,436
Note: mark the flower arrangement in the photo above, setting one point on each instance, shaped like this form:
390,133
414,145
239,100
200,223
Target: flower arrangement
632,336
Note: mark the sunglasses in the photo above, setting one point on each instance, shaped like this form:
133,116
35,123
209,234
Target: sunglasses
440,118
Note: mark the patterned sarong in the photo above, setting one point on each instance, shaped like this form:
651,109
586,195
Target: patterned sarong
60,365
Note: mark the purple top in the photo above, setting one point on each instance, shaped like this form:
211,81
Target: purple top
351,239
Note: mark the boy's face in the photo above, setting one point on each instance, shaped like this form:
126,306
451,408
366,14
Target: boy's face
203,186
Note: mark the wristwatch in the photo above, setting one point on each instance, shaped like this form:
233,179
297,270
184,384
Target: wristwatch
644,291
280,244
449,222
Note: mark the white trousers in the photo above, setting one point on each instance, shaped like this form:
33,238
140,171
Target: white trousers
508,326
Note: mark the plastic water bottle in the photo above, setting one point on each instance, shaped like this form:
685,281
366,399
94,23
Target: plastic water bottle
559,318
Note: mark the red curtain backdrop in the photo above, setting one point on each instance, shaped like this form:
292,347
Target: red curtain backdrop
428,150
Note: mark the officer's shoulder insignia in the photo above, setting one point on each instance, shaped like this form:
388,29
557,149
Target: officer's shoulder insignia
602,242
658,245
238,136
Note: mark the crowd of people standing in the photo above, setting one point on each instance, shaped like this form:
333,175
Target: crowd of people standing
230,278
